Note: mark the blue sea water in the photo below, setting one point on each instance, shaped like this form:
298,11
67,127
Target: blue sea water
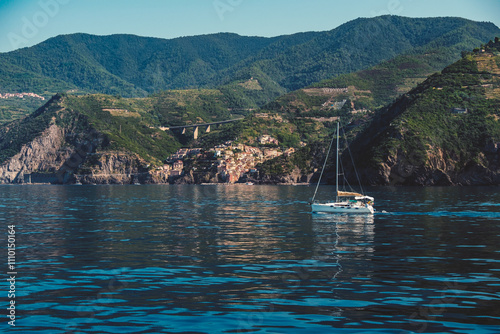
250,259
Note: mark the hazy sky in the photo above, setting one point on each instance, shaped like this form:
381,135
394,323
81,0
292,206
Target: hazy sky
28,22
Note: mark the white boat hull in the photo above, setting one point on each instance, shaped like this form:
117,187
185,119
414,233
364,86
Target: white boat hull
342,208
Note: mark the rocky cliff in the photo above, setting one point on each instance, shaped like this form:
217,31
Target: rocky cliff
44,153
438,170
116,168
60,145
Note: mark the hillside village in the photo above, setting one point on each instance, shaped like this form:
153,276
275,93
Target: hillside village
230,162
20,96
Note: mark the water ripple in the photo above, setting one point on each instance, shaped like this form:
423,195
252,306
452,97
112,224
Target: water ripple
188,259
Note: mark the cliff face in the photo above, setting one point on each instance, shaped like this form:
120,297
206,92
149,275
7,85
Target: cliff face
438,170
117,168
67,150
44,153
293,177
49,158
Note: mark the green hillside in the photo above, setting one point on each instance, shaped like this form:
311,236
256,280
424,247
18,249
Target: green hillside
129,124
441,132
369,89
375,87
125,124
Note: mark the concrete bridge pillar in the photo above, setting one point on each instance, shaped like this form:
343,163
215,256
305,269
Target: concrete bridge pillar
208,129
196,133
183,131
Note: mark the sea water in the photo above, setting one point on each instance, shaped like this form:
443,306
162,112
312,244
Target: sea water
249,259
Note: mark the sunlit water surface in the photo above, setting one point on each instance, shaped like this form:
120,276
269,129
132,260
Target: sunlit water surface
239,259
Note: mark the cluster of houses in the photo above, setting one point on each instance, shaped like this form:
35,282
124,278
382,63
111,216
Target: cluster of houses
232,161
20,95
174,165
268,140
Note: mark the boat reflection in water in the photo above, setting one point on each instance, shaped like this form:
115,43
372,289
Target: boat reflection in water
343,235
344,243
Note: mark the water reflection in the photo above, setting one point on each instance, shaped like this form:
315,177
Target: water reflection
174,258
356,231
340,237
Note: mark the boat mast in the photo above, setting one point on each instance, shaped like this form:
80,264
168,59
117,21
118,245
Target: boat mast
337,165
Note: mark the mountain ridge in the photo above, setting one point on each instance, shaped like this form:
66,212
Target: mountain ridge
132,65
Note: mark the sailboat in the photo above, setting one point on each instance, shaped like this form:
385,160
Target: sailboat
345,201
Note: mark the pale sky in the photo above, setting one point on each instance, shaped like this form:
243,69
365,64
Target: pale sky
28,22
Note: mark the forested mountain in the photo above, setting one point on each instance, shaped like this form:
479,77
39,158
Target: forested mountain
365,42
125,64
136,66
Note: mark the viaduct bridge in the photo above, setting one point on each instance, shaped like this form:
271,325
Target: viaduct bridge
196,127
